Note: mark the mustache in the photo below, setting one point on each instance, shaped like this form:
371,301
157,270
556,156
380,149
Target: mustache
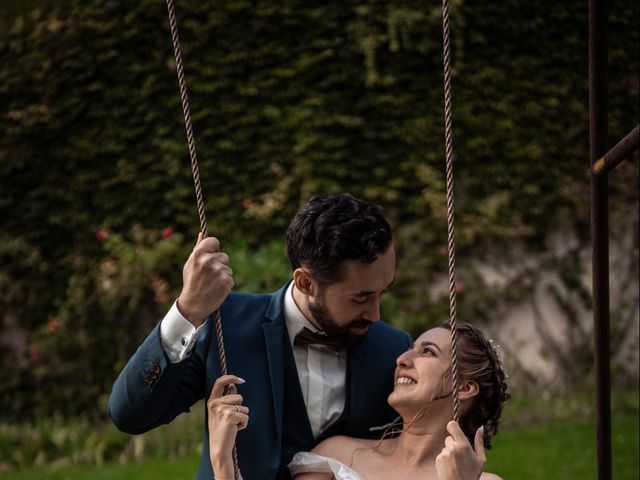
361,323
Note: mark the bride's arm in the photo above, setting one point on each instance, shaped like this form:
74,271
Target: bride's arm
226,415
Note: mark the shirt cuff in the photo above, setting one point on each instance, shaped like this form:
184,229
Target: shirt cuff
177,335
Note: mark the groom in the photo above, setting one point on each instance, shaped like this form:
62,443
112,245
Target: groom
315,356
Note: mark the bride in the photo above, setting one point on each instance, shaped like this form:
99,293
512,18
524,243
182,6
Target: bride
426,444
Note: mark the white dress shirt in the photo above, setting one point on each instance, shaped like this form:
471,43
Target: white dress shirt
178,335
322,371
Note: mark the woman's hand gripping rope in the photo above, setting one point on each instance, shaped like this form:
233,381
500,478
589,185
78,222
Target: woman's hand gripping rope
226,416
457,460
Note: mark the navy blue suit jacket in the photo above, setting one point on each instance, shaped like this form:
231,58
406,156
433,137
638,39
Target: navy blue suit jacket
151,391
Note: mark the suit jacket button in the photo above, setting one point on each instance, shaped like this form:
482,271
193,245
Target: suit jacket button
156,368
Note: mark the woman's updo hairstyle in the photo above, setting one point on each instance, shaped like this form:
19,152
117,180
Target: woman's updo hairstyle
479,361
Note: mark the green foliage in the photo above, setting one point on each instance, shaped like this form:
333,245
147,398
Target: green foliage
109,304
261,269
109,307
56,443
288,100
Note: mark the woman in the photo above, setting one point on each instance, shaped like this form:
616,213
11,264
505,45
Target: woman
426,445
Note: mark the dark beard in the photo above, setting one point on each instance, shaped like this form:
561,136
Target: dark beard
343,335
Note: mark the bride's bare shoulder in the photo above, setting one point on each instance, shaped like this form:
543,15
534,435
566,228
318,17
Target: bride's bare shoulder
341,447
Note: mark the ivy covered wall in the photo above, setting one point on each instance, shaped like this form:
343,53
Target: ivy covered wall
289,99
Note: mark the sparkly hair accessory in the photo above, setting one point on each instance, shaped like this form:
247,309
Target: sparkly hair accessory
495,348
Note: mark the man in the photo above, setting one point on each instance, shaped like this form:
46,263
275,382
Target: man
316,359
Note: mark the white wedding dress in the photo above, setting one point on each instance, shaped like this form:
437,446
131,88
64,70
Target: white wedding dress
307,462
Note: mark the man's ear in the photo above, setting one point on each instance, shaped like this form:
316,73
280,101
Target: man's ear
304,282
468,389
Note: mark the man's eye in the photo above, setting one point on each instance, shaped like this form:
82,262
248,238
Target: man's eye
359,302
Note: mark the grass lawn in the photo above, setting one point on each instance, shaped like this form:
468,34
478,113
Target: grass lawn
564,451
161,469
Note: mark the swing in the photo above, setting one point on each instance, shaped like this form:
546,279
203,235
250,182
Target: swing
449,192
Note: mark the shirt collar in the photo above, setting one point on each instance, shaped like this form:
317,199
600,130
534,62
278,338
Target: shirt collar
293,317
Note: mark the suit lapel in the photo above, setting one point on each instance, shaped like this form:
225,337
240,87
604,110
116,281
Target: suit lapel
358,380
274,336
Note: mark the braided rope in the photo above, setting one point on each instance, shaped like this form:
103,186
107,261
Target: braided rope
187,116
450,210
196,183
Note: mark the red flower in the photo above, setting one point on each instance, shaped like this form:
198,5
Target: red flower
53,325
34,353
459,288
102,235
247,203
166,232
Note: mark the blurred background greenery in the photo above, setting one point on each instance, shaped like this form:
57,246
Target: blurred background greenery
291,99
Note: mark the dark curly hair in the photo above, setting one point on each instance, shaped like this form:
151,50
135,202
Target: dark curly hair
333,228
479,361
